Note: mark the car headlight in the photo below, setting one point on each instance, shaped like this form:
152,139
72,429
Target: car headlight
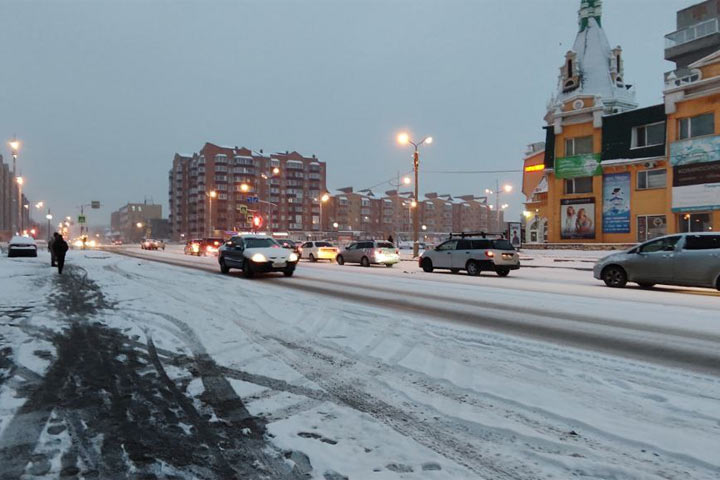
258,258
292,257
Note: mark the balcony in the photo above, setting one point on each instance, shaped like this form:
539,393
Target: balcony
697,37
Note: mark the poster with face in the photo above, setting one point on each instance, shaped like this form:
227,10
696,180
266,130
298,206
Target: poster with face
514,230
616,203
577,218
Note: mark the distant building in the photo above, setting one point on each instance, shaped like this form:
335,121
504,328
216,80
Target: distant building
9,223
135,221
217,189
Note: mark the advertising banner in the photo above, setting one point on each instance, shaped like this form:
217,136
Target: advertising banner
695,150
577,218
586,165
515,234
696,187
616,203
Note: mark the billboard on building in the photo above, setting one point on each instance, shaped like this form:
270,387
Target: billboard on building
577,218
695,150
585,165
616,203
696,186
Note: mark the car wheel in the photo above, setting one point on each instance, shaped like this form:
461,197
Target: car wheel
247,269
312,258
288,272
614,276
224,268
646,285
389,265
365,261
427,265
502,272
340,260
454,270
473,268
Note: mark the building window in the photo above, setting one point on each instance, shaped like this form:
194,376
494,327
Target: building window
579,185
578,146
649,179
650,226
648,135
694,222
696,126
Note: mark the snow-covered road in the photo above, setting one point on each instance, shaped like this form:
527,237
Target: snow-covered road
127,368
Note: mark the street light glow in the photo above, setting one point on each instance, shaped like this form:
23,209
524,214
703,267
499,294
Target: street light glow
403,138
139,224
14,144
39,205
413,204
20,180
428,140
325,197
424,227
244,187
275,171
335,224
507,188
406,180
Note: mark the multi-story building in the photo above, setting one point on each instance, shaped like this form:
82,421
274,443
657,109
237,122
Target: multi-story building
614,173
134,221
471,214
217,189
9,223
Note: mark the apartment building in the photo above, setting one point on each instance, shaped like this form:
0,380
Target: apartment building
134,221
219,189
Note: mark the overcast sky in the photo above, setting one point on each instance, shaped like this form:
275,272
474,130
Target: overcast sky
102,94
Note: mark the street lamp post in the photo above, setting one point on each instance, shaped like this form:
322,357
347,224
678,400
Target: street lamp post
404,139
211,194
14,148
275,171
49,217
21,216
324,198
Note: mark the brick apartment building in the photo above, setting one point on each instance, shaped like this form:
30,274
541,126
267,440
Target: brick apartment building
283,188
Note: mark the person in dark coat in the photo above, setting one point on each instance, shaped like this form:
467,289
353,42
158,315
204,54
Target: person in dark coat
60,247
391,239
50,248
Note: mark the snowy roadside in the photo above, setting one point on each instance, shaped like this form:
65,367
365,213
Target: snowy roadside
360,390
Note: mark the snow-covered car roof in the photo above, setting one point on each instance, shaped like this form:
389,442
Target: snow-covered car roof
21,239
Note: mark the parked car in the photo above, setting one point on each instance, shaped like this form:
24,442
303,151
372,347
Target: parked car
290,245
255,254
315,251
687,259
473,253
20,246
192,247
117,242
370,252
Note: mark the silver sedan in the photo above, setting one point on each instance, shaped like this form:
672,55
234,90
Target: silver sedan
687,259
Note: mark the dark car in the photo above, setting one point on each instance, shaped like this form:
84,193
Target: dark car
210,246
290,245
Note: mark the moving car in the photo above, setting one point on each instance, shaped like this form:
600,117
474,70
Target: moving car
686,259
149,244
192,247
472,252
370,252
20,246
315,251
210,246
290,245
255,254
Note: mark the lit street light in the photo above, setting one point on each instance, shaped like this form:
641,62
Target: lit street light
49,217
324,198
213,194
404,139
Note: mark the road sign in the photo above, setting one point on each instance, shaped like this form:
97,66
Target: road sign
252,199
95,204
81,219
243,209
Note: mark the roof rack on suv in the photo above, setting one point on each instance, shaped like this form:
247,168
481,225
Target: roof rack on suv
475,234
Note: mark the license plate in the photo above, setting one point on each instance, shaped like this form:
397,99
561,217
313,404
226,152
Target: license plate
280,264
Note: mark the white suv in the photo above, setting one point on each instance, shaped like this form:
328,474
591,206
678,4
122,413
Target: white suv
473,253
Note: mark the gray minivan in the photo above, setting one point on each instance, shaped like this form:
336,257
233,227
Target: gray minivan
369,252
686,259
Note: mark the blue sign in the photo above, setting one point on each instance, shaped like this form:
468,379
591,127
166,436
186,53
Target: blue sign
252,199
695,150
616,203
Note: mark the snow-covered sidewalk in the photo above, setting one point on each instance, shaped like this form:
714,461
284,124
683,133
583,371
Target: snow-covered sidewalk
126,367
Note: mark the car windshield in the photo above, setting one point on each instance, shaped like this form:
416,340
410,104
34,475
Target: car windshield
502,245
385,245
323,244
260,243
20,239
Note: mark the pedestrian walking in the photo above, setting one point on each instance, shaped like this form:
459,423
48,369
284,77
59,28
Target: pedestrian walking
60,247
391,239
50,248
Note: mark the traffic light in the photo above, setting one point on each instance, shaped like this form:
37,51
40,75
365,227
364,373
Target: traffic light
257,221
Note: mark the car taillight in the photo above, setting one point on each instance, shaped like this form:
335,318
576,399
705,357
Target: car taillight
489,253
397,252
378,252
